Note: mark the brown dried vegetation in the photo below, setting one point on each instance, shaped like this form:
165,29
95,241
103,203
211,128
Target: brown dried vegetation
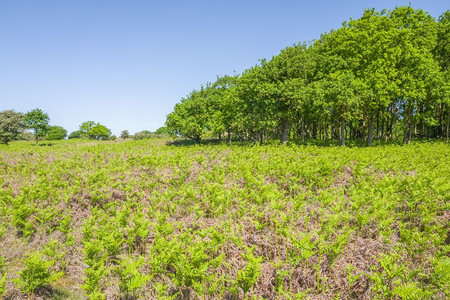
209,222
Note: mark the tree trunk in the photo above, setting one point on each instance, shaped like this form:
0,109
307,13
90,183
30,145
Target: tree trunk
410,132
407,133
342,140
261,138
370,132
378,124
391,124
448,123
284,131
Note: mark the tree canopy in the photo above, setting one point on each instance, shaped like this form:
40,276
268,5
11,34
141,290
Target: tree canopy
56,133
11,125
94,130
383,76
38,121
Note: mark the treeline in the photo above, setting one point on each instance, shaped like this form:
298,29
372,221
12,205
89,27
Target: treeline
146,134
35,125
383,76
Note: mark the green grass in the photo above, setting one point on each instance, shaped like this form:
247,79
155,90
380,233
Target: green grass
150,220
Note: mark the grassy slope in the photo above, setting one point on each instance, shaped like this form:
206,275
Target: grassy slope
231,222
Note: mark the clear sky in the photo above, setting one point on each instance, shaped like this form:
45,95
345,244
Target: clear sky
126,63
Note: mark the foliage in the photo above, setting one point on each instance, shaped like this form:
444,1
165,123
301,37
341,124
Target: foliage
247,277
124,134
131,277
145,134
38,121
190,117
383,76
87,126
162,130
11,125
78,134
37,273
25,136
56,133
99,132
2,276
95,131
220,221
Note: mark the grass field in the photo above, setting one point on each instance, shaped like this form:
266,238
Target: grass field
142,219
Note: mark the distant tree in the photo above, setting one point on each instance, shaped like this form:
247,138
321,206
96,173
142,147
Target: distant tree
25,136
10,125
124,134
162,130
56,133
94,130
145,134
78,134
113,138
99,132
87,126
37,120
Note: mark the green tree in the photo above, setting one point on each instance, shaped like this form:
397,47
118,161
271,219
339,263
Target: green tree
38,121
77,134
285,79
190,117
442,56
95,130
99,132
253,110
377,77
162,130
11,125
124,134
56,133
144,134
87,126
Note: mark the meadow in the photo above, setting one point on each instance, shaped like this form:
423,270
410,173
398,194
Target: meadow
151,220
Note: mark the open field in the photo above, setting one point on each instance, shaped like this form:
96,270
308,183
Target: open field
142,219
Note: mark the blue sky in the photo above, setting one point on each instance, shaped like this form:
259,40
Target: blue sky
126,63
